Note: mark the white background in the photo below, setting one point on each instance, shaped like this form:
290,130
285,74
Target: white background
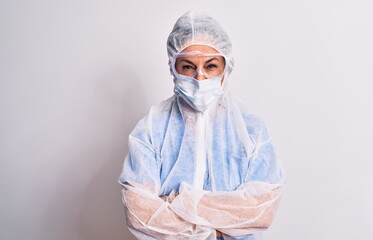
76,76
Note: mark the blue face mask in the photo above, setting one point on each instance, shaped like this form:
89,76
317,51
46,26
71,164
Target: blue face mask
198,94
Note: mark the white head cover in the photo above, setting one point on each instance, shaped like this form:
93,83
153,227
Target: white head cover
198,28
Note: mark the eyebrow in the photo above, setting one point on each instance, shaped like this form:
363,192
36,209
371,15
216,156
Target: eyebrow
190,62
212,59
185,60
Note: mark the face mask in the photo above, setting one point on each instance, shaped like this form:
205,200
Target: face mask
198,94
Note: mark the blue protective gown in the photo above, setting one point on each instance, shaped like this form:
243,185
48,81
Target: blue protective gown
241,177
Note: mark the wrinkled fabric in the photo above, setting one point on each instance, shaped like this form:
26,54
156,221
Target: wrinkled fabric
199,94
242,182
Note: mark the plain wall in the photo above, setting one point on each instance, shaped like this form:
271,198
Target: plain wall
76,76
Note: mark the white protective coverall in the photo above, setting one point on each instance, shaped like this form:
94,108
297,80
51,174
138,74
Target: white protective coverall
189,173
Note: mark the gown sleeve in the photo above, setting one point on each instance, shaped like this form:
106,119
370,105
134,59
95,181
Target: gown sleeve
193,213
242,212
148,215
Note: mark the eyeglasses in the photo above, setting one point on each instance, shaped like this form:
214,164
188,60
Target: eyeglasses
199,66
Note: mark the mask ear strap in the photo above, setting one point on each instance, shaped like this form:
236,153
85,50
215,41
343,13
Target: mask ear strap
172,66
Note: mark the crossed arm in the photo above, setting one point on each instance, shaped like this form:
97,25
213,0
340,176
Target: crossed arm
194,214
197,214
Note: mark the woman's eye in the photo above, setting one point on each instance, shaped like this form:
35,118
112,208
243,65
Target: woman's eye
212,66
187,67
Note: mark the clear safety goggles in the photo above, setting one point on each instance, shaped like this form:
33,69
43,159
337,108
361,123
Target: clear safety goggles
195,64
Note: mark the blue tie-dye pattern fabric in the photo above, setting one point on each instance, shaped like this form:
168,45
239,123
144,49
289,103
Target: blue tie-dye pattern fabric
162,150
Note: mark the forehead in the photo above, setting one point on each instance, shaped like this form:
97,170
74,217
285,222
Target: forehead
203,49
199,53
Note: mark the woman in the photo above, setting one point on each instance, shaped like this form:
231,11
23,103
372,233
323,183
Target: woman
199,165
